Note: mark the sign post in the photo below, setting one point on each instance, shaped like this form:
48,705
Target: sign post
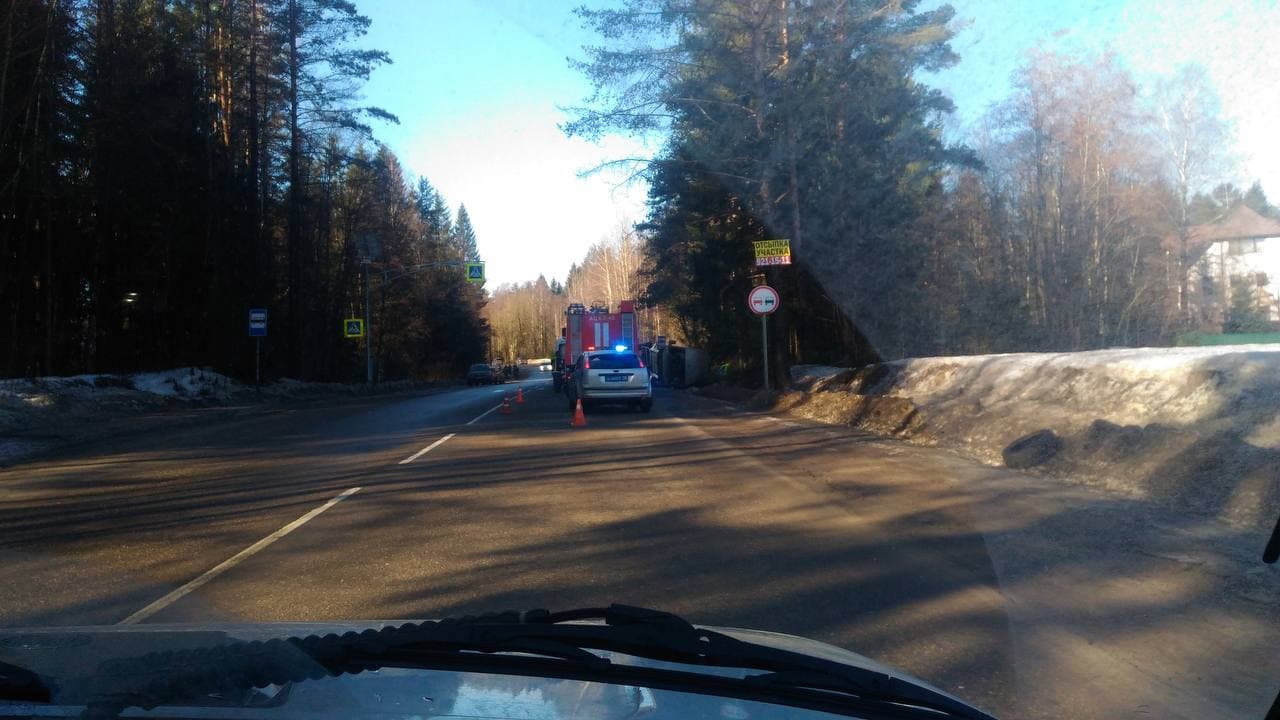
475,271
257,331
763,301
368,343
354,328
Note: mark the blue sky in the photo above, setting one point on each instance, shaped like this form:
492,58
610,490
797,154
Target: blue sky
477,85
1236,40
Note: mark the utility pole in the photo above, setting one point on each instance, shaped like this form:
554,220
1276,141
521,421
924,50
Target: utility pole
368,329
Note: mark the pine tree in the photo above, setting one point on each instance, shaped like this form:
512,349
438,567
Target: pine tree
1244,315
322,73
1256,200
154,136
437,226
805,117
40,263
464,236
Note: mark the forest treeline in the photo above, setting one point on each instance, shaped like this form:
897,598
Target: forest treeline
166,166
1045,227
526,318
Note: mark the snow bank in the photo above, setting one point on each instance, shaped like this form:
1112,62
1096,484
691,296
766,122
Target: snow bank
1178,386
52,407
1195,427
186,382
36,413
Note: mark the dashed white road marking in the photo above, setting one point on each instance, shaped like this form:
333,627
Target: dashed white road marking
426,449
476,419
262,544
234,560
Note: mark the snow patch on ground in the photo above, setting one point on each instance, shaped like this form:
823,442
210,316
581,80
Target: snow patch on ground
1178,386
36,413
186,383
1198,428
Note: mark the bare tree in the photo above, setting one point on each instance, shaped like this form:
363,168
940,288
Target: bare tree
1195,142
525,319
1053,245
610,271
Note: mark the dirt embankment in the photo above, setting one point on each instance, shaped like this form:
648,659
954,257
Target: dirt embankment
1197,429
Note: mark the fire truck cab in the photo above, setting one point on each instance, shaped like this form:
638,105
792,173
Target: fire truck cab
591,329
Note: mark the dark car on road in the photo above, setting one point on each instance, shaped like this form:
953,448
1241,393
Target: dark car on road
482,374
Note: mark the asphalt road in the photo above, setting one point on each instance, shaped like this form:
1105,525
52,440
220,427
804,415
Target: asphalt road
1025,596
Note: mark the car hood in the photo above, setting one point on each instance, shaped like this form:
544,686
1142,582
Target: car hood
66,659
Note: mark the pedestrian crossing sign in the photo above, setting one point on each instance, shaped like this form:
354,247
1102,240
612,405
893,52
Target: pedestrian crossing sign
475,272
353,327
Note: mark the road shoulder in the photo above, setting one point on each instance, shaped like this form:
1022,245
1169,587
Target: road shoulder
1128,597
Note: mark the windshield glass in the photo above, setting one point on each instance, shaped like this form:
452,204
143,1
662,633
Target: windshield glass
944,332
401,693
614,361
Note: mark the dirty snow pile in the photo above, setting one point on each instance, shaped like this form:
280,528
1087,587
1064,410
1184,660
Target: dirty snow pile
185,383
30,401
1195,427
37,412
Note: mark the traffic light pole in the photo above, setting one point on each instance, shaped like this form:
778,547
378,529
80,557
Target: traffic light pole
368,330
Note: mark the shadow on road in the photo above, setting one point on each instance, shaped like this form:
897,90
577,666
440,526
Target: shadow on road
964,575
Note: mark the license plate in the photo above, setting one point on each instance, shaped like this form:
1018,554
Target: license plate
616,378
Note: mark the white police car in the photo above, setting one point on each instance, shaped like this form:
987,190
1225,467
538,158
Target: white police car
616,375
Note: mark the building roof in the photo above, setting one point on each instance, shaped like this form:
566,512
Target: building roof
1238,223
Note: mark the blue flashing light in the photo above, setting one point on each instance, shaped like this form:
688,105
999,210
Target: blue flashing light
619,348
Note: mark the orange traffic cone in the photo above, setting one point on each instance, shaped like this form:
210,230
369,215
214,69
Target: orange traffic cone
579,419
520,395
506,404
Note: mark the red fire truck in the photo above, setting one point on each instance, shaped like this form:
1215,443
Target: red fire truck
592,328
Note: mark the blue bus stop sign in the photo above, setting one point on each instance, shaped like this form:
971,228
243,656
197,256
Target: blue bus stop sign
258,322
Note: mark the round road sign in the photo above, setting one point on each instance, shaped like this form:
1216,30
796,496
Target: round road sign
762,300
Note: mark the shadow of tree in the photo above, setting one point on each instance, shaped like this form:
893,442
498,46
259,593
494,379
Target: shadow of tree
1031,599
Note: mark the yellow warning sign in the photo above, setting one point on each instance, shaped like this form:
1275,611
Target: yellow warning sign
772,252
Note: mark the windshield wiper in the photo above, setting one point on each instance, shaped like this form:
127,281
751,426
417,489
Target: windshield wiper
535,643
